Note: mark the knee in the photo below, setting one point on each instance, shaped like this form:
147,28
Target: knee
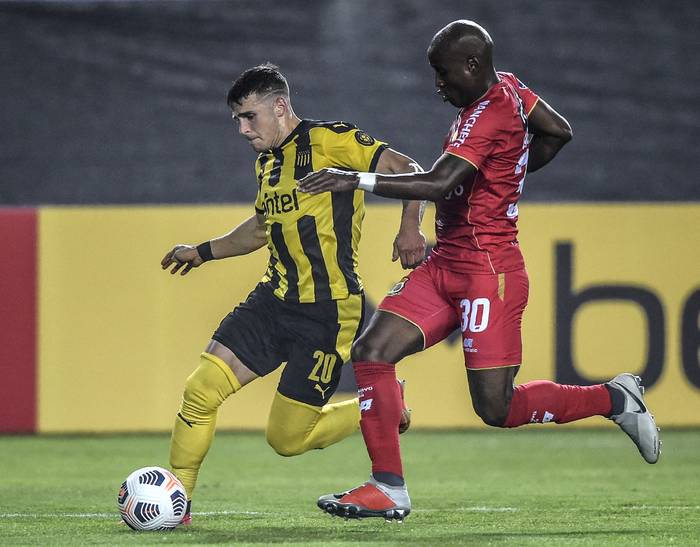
285,443
199,392
492,412
206,388
290,425
366,350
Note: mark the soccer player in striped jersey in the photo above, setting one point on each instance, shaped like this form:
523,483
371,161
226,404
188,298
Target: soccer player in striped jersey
309,306
474,279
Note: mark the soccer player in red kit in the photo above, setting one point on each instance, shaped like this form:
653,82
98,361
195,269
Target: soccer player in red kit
475,278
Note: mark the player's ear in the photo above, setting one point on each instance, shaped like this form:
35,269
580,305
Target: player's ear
280,106
472,65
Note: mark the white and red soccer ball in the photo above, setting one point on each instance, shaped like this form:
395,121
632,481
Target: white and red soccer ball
152,498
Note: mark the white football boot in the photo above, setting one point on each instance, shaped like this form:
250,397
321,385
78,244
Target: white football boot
635,419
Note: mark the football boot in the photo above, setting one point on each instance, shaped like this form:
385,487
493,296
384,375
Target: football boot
635,418
372,499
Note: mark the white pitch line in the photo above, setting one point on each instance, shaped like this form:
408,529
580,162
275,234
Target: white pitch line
663,507
212,513
477,509
56,515
484,509
113,515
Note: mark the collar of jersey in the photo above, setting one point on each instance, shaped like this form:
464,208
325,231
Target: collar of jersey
487,92
301,127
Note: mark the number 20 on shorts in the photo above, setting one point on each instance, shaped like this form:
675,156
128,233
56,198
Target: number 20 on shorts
475,314
323,369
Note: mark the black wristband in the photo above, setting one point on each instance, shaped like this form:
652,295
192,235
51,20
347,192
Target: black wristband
204,250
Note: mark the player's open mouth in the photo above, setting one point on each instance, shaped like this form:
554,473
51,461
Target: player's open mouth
443,95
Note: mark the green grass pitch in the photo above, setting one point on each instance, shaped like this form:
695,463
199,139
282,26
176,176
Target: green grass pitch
537,486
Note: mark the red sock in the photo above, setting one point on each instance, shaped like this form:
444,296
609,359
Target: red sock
543,401
380,414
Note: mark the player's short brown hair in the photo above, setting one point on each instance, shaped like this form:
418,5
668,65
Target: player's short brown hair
261,79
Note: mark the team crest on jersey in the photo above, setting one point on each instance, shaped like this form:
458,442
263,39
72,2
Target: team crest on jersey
363,138
396,289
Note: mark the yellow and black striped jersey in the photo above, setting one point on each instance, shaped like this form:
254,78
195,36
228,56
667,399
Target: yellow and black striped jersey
313,240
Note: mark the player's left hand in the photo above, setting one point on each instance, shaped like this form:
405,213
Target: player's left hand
328,180
409,246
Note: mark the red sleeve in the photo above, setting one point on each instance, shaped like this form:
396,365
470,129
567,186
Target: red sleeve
476,134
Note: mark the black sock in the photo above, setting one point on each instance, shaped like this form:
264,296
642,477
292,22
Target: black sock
618,400
388,478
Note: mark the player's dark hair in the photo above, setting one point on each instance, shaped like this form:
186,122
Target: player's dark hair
261,79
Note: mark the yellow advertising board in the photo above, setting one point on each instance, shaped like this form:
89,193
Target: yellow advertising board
612,288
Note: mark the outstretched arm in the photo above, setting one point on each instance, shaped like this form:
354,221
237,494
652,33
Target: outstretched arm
245,238
447,172
551,132
409,244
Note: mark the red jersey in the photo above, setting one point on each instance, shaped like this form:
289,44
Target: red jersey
476,225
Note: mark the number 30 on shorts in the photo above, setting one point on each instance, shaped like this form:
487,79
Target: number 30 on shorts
475,314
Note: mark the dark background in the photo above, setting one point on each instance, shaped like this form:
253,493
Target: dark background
124,102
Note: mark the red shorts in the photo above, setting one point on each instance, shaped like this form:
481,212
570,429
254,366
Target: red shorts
487,308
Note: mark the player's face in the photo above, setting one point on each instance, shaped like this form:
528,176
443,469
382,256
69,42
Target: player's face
454,78
258,121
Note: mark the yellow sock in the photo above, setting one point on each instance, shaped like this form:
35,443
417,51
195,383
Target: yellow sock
295,427
205,390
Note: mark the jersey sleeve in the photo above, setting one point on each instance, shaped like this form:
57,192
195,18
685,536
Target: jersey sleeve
477,133
352,148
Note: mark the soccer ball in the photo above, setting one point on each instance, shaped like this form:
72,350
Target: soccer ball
152,498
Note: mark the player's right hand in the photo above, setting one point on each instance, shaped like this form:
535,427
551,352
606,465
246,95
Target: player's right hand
183,257
328,179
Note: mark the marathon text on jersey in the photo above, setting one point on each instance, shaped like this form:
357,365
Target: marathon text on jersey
470,121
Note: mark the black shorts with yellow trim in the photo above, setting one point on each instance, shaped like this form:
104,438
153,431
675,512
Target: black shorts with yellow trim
314,339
